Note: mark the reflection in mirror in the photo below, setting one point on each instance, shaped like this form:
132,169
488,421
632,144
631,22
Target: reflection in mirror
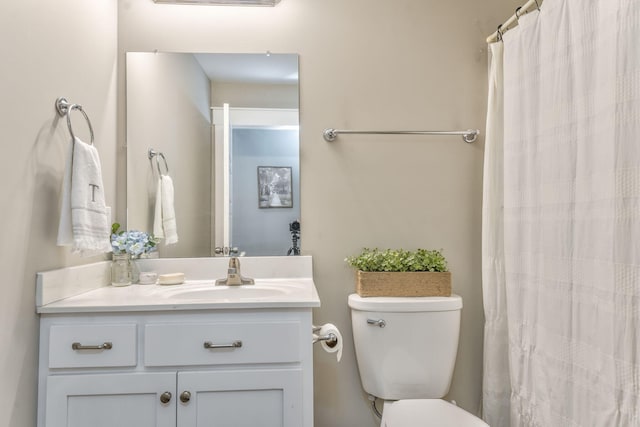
216,118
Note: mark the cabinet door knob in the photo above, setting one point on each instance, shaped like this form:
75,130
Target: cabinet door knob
165,397
185,396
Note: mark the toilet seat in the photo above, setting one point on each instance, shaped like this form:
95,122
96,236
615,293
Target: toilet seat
427,413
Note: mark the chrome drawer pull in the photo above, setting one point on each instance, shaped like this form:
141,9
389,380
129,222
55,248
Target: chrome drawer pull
235,344
380,322
105,346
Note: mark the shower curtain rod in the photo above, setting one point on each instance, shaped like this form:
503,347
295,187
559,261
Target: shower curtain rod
526,8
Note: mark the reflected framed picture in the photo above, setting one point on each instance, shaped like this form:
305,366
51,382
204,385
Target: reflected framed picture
274,187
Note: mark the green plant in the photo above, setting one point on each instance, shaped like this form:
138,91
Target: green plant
398,260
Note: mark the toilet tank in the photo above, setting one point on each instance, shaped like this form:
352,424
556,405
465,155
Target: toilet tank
413,355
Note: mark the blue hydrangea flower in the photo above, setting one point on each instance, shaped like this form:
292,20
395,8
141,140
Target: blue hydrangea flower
133,242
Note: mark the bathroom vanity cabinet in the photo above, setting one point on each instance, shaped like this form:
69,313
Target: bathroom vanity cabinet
185,368
192,355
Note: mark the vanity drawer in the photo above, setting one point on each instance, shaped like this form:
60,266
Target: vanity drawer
89,346
228,343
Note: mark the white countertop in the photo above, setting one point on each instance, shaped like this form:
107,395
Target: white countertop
191,295
281,282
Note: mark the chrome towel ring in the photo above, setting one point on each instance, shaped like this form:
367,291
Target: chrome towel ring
64,108
153,153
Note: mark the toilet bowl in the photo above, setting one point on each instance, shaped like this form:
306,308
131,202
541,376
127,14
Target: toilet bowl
406,350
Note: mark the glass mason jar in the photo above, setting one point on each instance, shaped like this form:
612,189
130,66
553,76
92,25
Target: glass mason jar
121,271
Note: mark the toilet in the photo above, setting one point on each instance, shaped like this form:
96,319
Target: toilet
406,351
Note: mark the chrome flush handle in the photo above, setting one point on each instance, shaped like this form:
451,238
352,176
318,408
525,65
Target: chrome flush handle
380,322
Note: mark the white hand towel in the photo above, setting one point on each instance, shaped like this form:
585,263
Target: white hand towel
84,222
164,222
157,217
168,212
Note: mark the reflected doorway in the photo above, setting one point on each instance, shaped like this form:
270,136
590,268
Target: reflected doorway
256,180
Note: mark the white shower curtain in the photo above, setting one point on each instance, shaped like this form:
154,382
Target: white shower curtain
496,379
561,247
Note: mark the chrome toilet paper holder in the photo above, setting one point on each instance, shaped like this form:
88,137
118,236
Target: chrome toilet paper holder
331,339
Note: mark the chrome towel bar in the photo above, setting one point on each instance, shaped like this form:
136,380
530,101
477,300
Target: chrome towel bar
468,136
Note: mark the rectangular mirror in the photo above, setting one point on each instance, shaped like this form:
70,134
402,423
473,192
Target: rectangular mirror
227,128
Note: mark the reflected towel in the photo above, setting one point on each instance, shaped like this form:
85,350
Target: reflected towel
164,222
158,231
84,222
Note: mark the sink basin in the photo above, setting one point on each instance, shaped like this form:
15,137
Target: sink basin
206,290
242,292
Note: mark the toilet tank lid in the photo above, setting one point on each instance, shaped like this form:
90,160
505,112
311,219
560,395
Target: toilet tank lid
405,304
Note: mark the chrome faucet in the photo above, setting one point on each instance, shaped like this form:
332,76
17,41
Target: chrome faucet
234,278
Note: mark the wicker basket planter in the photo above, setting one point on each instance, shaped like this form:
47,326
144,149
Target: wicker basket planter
405,284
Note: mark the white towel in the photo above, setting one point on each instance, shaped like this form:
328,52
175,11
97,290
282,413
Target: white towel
84,222
158,231
164,221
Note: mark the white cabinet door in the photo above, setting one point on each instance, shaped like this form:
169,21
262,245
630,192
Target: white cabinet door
247,398
110,400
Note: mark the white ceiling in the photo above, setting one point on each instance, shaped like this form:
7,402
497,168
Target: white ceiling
250,68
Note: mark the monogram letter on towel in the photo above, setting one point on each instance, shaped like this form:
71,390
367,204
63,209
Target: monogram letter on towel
93,192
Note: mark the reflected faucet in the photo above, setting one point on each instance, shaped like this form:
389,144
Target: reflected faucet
234,277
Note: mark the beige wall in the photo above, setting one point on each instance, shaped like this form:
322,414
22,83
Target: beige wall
405,64
49,49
